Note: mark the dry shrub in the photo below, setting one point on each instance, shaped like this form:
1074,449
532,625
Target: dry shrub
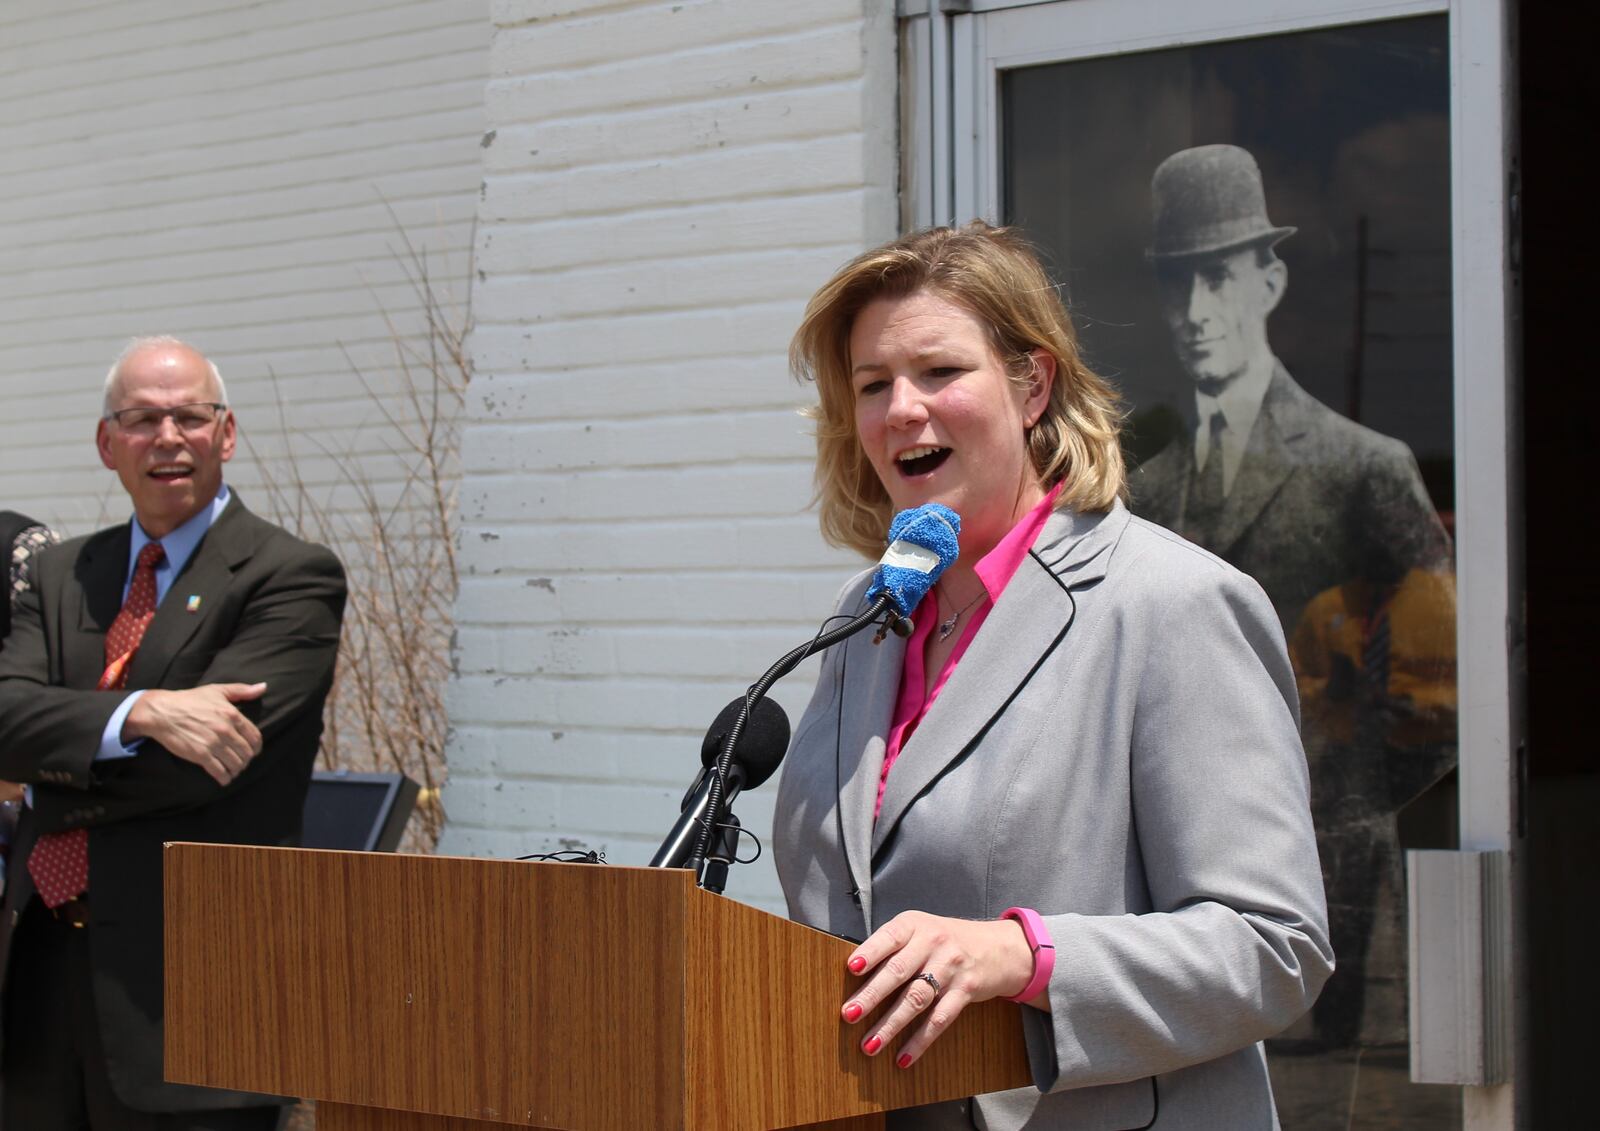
390,516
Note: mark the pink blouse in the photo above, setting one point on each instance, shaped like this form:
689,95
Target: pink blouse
995,569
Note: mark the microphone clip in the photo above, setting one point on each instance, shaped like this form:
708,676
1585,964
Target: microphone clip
895,623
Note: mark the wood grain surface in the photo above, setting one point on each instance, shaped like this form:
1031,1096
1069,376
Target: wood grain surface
500,992
347,1117
344,1117
774,1053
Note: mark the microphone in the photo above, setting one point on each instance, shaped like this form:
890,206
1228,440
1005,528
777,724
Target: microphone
923,541
760,747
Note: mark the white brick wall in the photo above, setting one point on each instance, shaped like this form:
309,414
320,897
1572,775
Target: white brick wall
663,184
223,170
666,184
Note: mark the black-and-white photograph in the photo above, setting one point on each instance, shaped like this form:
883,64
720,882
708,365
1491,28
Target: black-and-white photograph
1254,239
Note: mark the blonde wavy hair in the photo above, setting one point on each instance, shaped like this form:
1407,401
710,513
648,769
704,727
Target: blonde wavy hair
995,274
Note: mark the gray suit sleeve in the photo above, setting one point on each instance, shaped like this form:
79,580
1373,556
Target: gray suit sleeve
1236,944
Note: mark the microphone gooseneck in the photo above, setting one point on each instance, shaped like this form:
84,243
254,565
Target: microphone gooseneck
923,542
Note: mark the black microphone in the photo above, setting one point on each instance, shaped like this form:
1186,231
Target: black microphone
923,541
761,746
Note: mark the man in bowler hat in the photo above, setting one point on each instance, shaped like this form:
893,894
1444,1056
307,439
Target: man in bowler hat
1299,497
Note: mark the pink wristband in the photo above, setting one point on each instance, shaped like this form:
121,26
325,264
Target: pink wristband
1044,951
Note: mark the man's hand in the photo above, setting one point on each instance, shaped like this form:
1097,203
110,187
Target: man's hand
200,725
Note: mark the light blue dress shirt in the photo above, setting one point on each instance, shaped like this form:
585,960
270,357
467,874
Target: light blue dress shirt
179,546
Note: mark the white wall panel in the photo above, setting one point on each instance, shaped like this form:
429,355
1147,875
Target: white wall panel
665,185
233,172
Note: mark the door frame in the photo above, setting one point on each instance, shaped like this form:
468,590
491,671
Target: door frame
952,55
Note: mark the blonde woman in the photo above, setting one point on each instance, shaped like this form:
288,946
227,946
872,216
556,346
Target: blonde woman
1079,784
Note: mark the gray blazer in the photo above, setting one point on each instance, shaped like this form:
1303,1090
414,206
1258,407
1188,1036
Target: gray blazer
1119,749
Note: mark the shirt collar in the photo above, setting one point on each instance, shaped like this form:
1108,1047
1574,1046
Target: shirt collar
1240,401
996,568
180,543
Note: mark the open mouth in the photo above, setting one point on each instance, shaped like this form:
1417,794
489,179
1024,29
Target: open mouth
169,473
920,461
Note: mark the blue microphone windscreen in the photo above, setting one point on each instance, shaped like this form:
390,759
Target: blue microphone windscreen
922,542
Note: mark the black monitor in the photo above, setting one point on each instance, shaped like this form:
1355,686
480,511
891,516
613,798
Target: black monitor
357,812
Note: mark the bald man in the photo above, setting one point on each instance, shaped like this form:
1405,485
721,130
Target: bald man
164,680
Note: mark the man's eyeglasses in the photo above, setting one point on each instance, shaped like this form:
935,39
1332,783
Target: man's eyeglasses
147,420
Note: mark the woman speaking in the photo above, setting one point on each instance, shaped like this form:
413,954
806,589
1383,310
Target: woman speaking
1079,783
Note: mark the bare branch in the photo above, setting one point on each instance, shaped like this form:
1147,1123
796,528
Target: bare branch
390,516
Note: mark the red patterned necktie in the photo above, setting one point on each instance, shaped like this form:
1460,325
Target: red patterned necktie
59,862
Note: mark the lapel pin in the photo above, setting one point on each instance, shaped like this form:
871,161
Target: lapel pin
194,603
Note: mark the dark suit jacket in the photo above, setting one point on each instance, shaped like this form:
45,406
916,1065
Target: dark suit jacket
269,610
1318,501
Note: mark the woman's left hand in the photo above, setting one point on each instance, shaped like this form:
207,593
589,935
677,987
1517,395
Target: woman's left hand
971,960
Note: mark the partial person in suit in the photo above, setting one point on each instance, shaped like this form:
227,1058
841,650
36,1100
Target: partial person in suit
1300,498
26,539
1088,747
164,680
23,539
1304,500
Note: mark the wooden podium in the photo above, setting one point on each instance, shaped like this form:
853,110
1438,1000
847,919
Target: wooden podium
429,993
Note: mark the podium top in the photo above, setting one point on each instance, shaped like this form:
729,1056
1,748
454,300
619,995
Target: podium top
576,996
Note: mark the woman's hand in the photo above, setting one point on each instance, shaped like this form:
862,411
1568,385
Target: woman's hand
972,960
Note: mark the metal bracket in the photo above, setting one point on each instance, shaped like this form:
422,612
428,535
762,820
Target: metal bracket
1459,936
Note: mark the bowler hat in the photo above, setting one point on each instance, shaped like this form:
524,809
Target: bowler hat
1207,200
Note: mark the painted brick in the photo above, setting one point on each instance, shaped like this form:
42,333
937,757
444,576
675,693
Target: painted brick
230,38
649,336
593,597
232,172
663,185
781,486
677,29
752,544
722,69
685,229
661,285
815,165
654,757
711,437
309,203
783,115
613,391
651,650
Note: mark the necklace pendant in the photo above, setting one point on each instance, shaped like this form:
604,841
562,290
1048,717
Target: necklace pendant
946,627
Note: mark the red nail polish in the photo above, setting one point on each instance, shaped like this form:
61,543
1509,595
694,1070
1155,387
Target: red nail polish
852,1012
903,1060
857,964
871,1046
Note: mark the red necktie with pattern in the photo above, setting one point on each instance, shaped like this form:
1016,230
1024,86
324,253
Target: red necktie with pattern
59,862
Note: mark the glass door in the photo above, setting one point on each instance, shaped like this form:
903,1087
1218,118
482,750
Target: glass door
1256,214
